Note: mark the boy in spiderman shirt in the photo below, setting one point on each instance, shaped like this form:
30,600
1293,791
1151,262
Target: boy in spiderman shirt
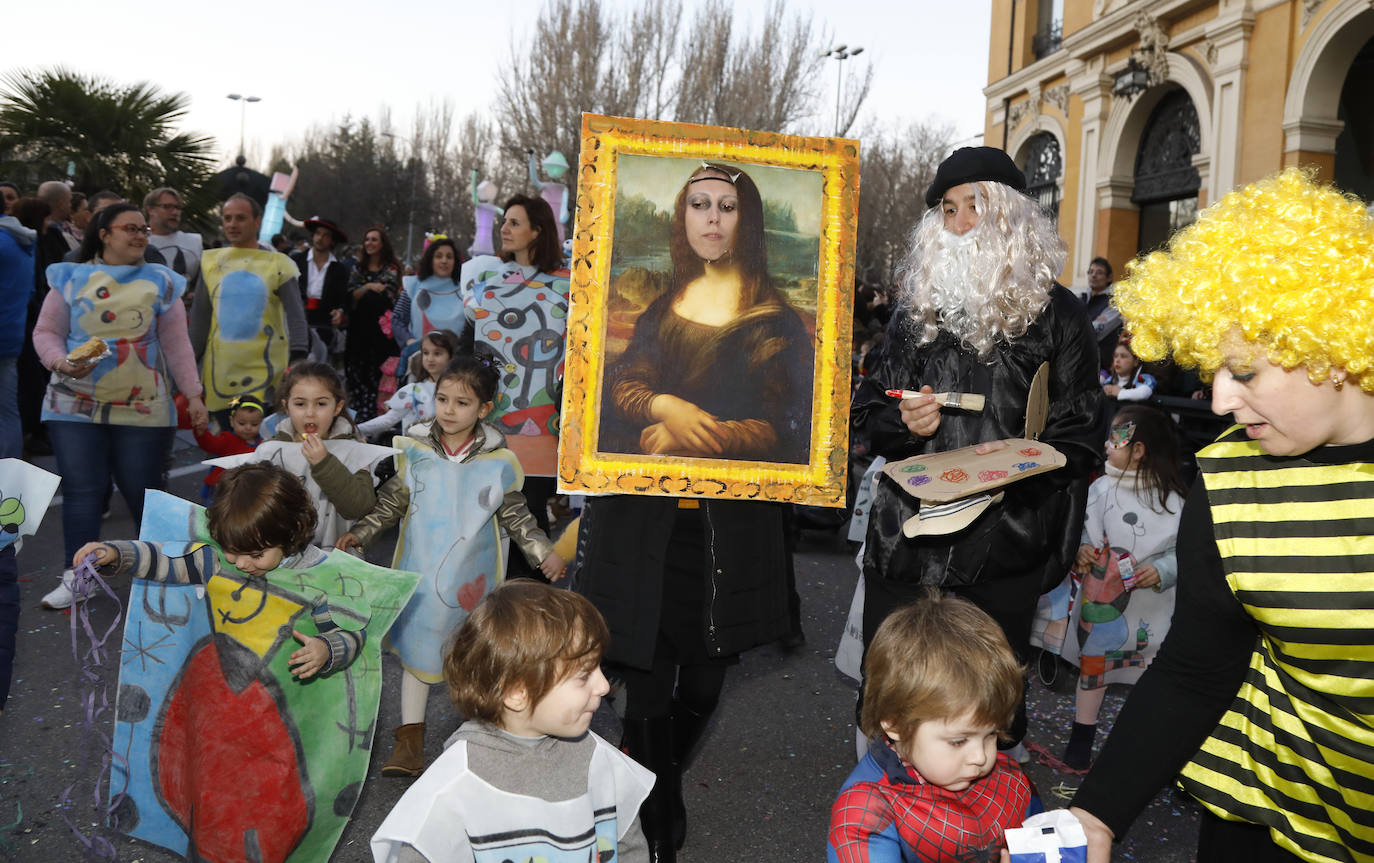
245,418
940,684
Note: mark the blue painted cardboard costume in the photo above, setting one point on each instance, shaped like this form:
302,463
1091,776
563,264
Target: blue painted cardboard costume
452,500
220,754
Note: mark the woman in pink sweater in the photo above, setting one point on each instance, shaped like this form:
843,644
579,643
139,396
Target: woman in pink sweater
112,417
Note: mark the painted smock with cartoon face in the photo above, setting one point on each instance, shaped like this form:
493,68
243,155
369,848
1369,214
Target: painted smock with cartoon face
248,346
120,305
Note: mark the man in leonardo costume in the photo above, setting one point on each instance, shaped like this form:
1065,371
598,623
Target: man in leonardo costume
979,311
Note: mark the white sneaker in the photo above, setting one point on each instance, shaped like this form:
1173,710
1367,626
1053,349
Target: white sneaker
1019,753
62,596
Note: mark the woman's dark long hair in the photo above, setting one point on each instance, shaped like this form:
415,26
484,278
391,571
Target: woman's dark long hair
91,243
31,212
1158,470
387,257
426,268
546,256
749,252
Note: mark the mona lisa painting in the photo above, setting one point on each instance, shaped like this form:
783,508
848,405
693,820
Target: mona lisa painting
708,331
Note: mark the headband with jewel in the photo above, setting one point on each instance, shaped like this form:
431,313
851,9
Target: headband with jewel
718,169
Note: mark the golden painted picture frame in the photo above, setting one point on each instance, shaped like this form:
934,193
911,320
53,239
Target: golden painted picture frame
773,381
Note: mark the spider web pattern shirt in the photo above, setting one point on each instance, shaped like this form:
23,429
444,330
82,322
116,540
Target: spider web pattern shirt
886,812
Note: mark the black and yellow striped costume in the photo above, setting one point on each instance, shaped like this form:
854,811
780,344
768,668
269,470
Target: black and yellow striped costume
1295,751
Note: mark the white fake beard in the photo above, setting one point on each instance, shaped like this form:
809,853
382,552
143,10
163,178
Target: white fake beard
960,283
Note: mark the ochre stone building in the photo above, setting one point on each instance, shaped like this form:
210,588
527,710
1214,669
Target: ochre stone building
1131,115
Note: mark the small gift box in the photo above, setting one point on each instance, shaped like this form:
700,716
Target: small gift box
1048,837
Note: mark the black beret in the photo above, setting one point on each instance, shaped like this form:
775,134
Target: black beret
971,164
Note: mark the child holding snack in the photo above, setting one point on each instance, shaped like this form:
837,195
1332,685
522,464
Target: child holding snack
942,684
314,404
462,397
245,420
523,778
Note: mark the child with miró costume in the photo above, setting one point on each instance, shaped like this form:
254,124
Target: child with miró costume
463,397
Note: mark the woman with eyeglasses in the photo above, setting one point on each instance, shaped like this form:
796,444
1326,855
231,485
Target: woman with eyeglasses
111,415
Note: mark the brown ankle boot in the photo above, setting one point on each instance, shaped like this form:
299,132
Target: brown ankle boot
408,756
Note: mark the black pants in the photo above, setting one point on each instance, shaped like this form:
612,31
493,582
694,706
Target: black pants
9,618
681,670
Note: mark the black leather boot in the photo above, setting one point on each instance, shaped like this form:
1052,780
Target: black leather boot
1079,753
650,742
688,726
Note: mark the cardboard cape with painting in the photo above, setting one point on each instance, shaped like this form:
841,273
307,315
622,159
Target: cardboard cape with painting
708,339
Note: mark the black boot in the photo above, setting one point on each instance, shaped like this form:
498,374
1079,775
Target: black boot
1079,753
650,742
688,726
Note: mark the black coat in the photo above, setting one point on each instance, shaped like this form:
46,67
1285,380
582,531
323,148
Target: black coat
1037,525
335,292
623,540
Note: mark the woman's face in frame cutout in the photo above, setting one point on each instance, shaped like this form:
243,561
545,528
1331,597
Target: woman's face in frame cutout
712,217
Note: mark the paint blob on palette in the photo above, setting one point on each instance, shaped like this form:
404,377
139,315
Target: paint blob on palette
946,476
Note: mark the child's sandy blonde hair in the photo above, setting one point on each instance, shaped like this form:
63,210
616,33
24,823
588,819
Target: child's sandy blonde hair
939,658
524,634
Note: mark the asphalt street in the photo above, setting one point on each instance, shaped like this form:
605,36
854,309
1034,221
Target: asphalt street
760,788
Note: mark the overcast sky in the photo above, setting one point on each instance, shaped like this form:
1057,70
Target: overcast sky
311,63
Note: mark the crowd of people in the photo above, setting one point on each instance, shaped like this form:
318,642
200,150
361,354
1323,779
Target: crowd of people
1236,602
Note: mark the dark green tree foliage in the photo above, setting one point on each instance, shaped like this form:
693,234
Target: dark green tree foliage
778,216
358,178
638,225
117,137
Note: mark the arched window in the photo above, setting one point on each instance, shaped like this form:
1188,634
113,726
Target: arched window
1043,166
1354,168
1166,182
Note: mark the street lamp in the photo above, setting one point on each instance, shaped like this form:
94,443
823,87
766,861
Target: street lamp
243,113
1132,80
841,53
414,178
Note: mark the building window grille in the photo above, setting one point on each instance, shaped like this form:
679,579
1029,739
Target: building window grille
1048,39
1166,181
1044,165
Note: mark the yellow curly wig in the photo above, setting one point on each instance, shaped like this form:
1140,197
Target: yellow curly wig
1285,262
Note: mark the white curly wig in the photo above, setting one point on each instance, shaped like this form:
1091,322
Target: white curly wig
988,285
